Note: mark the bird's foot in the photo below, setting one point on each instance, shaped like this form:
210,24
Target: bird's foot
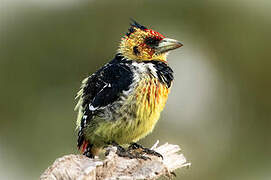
130,153
140,149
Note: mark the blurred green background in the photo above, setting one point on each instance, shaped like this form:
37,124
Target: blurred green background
219,109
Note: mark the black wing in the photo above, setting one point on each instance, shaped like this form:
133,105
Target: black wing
101,89
105,86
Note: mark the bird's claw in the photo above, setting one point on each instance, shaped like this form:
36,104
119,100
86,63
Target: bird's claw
135,146
130,153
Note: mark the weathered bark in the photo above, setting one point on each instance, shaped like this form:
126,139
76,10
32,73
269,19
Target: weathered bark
79,167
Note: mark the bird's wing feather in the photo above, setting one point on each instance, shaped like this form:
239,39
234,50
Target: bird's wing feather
99,90
102,88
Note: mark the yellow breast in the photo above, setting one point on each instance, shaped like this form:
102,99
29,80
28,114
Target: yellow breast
138,115
151,97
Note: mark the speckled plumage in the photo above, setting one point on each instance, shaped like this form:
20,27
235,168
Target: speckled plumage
123,100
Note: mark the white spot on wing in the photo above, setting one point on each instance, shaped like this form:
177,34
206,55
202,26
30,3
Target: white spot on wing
91,108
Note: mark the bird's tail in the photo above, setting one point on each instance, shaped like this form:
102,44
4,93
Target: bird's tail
86,147
83,147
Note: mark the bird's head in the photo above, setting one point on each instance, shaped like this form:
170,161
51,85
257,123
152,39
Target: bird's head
143,44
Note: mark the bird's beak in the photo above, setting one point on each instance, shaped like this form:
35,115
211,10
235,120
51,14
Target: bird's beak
168,44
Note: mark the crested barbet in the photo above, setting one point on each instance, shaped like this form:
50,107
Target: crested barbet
121,102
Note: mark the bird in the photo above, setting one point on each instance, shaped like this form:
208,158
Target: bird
121,102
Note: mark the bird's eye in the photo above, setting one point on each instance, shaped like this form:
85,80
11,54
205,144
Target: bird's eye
135,50
152,41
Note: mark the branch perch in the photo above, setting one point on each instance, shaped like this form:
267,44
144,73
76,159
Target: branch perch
79,167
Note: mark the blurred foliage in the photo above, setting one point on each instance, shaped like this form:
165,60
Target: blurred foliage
219,110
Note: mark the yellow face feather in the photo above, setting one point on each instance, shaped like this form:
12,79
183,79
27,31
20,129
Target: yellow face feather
144,51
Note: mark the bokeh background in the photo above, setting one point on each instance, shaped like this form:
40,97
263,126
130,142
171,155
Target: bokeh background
219,110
